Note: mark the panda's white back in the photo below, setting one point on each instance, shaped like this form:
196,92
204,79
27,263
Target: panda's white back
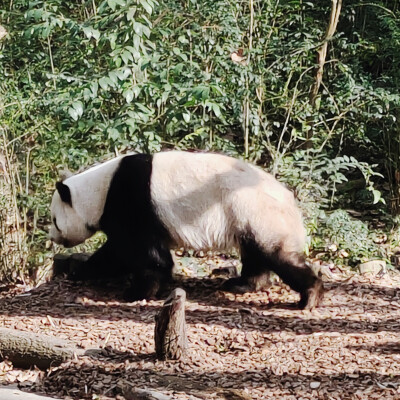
207,201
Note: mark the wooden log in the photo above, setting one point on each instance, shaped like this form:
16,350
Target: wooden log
25,349
12,392
170,330
133,393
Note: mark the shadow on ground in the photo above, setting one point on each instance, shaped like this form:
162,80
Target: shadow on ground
64,299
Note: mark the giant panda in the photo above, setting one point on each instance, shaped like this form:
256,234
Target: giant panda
146,204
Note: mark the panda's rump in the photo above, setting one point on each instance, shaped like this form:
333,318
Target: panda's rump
208,201
268,213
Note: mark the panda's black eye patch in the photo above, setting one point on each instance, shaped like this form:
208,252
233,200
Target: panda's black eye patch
55,224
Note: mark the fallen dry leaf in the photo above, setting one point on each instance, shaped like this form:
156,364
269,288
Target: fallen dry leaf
252,346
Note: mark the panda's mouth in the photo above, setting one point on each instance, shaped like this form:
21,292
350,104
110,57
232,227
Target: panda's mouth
64,242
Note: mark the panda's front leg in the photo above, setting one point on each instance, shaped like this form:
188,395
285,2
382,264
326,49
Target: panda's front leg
98,266
145,284
152,272
146,267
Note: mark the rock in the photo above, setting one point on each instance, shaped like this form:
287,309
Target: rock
374,267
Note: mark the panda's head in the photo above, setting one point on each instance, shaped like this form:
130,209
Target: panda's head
78,203
68,227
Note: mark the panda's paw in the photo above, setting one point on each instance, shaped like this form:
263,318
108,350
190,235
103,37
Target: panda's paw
145,291
312,297
130,296
77,274
78,267
237,285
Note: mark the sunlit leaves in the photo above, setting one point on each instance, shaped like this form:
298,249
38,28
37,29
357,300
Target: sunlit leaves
114,3
119,68
147,5
91,32
128,95
201,93
76,110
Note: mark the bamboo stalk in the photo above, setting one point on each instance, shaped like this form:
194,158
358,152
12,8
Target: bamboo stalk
51,62
13,252
323,49
321,60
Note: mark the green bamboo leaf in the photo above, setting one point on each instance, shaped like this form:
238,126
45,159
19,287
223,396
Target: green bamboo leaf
128,94
78,106
146,6
103,82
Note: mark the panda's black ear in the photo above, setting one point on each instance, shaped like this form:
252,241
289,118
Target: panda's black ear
64,193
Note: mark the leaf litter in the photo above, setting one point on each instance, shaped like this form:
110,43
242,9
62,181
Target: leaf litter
251,346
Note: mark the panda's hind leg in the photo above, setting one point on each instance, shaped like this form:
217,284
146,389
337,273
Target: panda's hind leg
255,273
293,271
290,267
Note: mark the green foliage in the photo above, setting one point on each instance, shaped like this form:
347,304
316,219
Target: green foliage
316,177
347,240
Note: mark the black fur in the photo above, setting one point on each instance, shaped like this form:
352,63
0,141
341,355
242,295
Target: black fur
291,268
138,243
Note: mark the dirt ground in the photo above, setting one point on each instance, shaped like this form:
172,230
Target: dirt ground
252,346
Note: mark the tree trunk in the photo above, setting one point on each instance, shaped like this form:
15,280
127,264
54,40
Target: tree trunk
13,250
170,330
322,51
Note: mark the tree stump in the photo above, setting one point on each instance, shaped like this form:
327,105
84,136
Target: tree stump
170,330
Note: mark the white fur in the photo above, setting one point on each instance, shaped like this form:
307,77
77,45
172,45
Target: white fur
88,192
206,201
